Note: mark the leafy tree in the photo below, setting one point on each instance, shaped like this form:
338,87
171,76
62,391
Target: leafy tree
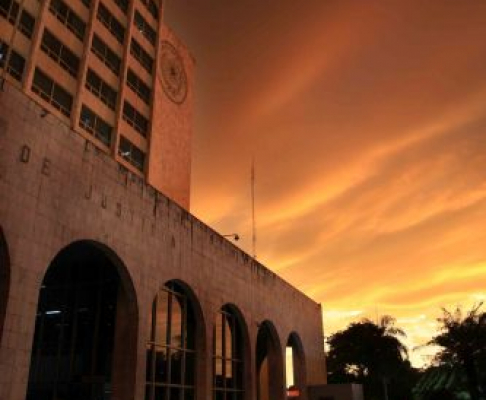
463,342
372,354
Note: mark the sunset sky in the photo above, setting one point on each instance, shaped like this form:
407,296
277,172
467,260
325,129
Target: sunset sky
367,122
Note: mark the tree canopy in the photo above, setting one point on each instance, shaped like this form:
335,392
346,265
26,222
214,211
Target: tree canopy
462,338
370,353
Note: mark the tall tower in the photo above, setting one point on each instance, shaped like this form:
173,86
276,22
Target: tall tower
113,72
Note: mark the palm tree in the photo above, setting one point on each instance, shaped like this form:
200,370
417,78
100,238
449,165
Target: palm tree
463,342
369,352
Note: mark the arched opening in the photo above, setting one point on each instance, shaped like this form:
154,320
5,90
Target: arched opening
270,376
230,355
295,368
176,338
4,280
86,328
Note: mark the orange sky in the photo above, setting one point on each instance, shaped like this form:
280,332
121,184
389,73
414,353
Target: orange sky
367,121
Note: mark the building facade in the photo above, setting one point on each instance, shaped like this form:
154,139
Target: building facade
109,287
113,72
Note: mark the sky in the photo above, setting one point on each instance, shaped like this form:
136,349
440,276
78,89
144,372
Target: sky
367,124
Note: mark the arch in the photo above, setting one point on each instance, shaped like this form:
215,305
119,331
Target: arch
4,279
176,344
295,362
269,364
85,341
231,355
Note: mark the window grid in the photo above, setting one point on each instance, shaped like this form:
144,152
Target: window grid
106,55
95,125
138,86
51,92
101,89
68,18
131,153
169,355
60,53
135,119
227,361
145,29
141,56
110,22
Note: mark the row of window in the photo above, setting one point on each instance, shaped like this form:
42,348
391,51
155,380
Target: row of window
141,56
106,55
60,53
14,62
9,9
100,129
95,125
138,86
111,23
47,89
68,17
144,28
96,85
51,92
152,8
135,119
131,153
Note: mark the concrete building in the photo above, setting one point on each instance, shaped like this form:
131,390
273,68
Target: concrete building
109,287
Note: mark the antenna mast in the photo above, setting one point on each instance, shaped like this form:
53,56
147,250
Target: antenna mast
253,227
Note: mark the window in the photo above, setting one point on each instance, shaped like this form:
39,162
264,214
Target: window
60,53
101,89
142,56
111,23
171,347
105,54
9,9
16,63
138,86
51,92
122,5
227,357
131,153
152,8
135,119
95,125
68,18
144,28
26,24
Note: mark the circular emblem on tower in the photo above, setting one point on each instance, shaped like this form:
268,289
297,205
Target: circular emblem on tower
172,73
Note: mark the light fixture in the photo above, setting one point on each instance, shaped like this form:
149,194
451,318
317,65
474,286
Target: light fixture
235,236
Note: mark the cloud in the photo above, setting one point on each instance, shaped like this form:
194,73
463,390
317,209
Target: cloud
367,122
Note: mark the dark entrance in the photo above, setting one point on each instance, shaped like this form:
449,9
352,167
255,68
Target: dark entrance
80,304
270,375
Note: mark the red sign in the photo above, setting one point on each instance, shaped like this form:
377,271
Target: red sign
293,392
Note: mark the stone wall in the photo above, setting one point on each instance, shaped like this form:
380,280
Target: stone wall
57,188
